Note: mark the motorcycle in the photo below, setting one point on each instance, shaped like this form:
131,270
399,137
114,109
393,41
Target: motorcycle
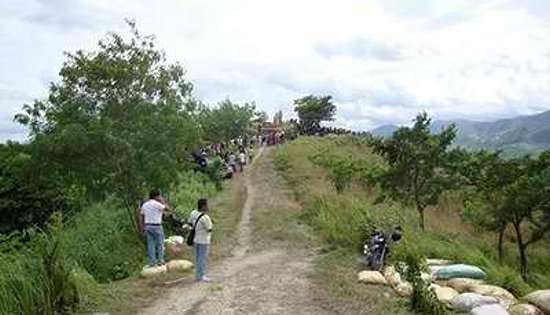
377,248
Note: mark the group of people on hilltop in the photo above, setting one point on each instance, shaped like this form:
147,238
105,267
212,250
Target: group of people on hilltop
317,130
322,131
151,213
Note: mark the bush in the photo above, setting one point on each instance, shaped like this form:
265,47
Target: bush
422,300
35,275
341,170
102,240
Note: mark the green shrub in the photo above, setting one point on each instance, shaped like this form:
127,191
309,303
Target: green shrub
341,169
213,171
422,300
102,240
36,277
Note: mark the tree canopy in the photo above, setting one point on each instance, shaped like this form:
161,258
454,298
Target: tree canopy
312,110
416,159
119,120
228,120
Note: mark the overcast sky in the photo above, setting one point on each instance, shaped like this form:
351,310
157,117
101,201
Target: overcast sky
383,61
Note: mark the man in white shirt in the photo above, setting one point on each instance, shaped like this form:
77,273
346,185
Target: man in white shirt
233,161
202,223
242,160
151,219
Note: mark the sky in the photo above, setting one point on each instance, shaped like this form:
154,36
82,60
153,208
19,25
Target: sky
381,60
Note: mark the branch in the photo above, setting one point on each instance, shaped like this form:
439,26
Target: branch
538,234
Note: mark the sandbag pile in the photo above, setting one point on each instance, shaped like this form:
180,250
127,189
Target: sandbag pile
444,294
400,286
490,309
465,302
372,277
540,299
524,309
460,284
459,271
179,265
154,271
504,298
461,288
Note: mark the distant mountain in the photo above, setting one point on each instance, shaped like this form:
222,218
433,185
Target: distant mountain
384,131
514,136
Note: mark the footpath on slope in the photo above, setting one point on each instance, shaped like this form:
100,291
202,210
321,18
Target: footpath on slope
266,274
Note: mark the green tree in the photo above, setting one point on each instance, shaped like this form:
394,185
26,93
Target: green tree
312,110
26,199
528,205
227,121
509,192
486,177
416,158
119,120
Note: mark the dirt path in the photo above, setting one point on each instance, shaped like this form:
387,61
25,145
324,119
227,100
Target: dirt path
272,280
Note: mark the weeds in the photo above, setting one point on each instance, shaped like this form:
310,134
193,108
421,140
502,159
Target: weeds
423,300
38,278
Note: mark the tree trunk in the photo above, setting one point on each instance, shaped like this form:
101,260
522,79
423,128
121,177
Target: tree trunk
420,216
522,251
133,214
501,245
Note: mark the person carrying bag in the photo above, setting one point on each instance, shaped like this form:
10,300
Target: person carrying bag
199,237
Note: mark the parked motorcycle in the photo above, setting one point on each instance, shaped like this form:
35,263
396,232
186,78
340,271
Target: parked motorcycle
377,248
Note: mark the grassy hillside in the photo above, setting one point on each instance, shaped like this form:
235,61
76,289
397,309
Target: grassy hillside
343,220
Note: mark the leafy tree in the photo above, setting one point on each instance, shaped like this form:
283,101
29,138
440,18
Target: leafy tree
25,198
118,120
528,205
486,176
509,192
227,121
260,117
416,159
312,110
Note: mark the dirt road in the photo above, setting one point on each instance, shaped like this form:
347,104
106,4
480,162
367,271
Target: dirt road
266,274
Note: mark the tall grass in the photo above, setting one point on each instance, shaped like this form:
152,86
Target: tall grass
36,277
102,241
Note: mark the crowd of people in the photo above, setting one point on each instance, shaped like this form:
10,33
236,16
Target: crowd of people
316,130
236,153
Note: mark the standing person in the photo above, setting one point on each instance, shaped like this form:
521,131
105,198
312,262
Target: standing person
251,154
151,219
242,159
233,161
202,224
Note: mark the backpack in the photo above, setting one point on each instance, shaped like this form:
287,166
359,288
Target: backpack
191,235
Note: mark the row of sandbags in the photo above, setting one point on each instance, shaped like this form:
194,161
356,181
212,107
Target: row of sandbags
460,287
179,265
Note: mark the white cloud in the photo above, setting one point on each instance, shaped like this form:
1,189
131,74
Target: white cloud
382,60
